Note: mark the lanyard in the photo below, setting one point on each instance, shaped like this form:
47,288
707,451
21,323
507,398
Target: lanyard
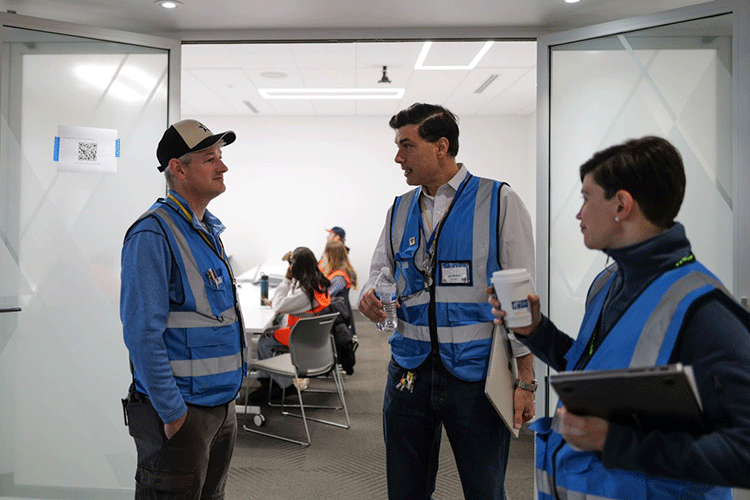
432,232
189,216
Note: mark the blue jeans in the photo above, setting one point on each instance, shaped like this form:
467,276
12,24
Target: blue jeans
265,351
412,424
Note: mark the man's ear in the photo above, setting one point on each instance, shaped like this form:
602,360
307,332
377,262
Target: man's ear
442,146
177,168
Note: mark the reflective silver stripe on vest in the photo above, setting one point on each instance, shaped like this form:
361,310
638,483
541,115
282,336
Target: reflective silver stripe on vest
207,366
191,319
655,329
397,229
600,281
195,280
481,237
545,485
414,332
419,299
447,335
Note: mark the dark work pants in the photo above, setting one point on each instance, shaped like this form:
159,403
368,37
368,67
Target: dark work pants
413,422
194,463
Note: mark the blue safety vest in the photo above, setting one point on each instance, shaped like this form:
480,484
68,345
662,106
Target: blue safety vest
564,473
444,305
204,336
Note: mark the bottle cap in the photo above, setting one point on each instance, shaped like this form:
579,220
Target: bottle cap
385,270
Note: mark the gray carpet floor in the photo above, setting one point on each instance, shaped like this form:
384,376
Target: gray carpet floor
346,463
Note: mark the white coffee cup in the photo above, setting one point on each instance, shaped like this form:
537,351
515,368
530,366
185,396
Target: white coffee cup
512,287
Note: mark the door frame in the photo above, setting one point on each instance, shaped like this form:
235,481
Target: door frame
172,46
173,49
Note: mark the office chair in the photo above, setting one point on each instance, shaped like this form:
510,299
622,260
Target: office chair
312,353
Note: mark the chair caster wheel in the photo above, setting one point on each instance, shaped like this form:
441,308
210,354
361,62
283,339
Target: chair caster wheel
259,420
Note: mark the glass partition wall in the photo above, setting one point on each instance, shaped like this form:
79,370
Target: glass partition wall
673,81
63,365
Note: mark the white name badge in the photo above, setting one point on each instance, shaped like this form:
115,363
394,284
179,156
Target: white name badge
454,273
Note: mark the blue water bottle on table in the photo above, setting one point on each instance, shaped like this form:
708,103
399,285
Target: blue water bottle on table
263,289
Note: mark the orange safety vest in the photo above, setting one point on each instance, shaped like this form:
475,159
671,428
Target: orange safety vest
341,273
282,334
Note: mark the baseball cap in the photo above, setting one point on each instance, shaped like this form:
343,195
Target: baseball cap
188,136
338,231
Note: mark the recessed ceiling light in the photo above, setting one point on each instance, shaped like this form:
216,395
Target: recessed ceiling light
273,74
332,93
168,4
572,1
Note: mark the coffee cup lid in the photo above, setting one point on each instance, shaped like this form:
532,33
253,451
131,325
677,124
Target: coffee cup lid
511,274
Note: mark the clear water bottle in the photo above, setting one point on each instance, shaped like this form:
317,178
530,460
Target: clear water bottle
385,289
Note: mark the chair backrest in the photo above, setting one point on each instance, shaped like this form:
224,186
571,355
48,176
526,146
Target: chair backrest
310,345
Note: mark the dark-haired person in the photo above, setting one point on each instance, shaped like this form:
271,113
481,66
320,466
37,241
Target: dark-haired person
302,292
656,304
442,241
182,325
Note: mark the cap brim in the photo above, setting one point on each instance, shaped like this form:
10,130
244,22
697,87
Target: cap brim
228,137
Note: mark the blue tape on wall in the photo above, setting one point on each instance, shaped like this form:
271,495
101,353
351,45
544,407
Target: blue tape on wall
56,153
117,148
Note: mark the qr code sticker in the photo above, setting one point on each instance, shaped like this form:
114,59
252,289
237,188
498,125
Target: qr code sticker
87,151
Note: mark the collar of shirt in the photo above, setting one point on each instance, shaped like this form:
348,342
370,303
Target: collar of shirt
210,223
438,204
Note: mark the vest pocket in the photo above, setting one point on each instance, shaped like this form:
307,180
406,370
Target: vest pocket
218,291
400,344
214,354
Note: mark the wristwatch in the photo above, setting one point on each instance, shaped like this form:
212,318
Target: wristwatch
527,387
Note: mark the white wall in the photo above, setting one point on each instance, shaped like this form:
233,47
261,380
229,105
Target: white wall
292,177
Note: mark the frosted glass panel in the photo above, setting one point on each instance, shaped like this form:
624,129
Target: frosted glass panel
673,81
63,364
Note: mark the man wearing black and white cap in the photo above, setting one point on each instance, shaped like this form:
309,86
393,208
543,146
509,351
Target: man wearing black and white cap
182,325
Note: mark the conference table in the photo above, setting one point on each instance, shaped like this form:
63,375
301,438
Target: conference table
256,317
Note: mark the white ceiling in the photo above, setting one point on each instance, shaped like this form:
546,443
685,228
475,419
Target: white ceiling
223,79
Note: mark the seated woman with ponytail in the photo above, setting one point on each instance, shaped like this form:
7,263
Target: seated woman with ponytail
303,292
339,270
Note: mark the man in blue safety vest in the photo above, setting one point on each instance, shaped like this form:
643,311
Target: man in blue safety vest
442,242
182,325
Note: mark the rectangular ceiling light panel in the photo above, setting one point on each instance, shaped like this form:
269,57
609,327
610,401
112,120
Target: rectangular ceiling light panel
426,49
392,93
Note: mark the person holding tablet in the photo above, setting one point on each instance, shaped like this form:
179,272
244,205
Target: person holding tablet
655,305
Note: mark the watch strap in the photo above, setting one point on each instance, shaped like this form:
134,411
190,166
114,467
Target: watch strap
526,386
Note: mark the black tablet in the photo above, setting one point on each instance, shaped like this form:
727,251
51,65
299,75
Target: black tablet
659,397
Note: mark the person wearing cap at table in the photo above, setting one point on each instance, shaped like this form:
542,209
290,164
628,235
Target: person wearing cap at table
336,233
182,325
